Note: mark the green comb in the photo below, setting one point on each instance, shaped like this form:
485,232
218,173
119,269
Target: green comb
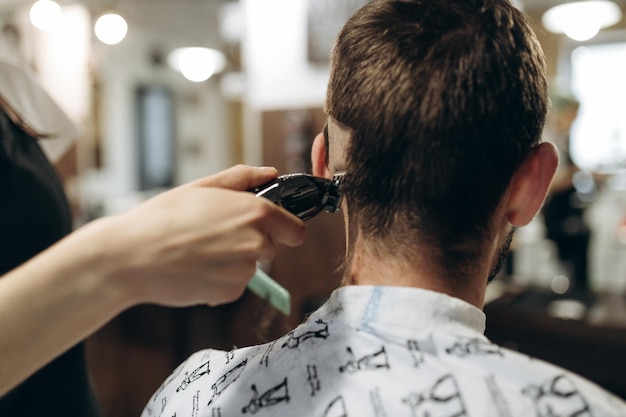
265,287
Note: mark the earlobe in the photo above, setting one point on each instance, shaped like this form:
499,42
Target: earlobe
318,157
530,184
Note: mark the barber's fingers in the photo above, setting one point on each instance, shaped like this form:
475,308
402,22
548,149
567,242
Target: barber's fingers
268,253
279,225
239,177
232,282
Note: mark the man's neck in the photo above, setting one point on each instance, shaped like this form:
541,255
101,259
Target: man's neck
366,266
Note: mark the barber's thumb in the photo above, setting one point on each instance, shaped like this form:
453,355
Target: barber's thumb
239,177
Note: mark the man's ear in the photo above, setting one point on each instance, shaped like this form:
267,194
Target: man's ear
318,157
530,184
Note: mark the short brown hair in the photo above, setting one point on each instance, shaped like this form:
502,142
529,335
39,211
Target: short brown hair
444,98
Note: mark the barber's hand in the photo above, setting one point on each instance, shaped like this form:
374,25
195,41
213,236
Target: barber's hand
199,243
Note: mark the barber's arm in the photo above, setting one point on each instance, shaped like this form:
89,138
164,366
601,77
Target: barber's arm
195,244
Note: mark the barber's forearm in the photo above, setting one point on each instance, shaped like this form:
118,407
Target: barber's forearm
195,244
52,302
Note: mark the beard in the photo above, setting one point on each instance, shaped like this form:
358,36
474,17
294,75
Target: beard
505,251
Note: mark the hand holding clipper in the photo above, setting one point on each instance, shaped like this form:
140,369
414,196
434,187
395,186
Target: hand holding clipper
305,196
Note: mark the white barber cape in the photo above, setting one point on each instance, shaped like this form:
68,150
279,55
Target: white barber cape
380,352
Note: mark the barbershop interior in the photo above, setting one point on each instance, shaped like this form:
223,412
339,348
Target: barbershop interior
165,92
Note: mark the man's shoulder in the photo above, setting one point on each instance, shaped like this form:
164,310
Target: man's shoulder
326,367
547,388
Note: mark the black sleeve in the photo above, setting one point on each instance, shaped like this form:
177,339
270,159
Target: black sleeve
34,214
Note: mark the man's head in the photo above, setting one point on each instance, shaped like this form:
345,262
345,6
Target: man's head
442,101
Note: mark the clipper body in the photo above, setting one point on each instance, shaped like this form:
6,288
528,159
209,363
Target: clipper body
302,194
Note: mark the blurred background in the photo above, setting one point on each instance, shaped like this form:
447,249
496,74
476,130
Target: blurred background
168,91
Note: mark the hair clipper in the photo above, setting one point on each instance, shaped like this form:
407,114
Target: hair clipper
302,194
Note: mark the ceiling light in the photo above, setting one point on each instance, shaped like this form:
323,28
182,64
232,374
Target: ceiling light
582,20
45,14
111,28
197,64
